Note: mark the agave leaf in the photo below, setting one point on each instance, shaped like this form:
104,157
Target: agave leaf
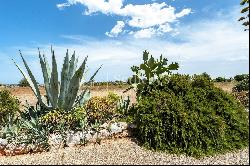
64,80
72,66
85,98
71,71
46,78
74,86
47,66
31,80
76,63
81,96
27,78
93,76
54,82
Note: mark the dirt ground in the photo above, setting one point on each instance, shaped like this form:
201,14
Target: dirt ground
25,94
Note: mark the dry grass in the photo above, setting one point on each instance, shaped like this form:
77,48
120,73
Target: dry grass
226,86
25,93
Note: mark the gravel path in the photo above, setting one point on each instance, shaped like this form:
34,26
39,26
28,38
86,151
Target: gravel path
121,151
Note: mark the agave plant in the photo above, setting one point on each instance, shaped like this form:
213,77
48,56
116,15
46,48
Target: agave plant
64,94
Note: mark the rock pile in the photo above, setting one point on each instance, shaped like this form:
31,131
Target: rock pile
72,138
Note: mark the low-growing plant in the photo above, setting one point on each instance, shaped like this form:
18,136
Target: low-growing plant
183,114
70,120
102,108
26,129
9,105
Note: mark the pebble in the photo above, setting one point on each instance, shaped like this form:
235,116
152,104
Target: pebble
120,152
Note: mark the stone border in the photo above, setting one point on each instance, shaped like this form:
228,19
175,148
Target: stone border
73,139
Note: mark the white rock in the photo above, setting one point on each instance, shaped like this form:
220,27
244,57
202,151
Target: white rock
3,142
55,139
73,139
123,125
114,128
104,133
86,135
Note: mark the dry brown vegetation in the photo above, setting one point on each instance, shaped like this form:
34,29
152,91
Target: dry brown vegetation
25,93
226,86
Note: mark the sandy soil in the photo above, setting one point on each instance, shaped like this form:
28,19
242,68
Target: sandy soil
25,93
122,152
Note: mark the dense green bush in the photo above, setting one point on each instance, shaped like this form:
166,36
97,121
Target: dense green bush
23,83
9,105
241,77
206,76
242,85
220,79
183,114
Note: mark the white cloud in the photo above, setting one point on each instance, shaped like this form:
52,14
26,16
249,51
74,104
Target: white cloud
184,12
164,28
145,17
144,33
103,6
116,30
218,46
63,5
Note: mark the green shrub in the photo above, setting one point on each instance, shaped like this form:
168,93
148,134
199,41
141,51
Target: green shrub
220,79
183,114
102,108
241,77
149,71
23,83
9,105
71,120
206,76
242,85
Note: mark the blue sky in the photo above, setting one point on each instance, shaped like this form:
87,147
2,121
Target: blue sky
203,36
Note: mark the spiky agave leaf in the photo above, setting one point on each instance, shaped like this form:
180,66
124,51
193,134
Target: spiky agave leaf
74,86
31,80
82,97
54,85
46,75
64,77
